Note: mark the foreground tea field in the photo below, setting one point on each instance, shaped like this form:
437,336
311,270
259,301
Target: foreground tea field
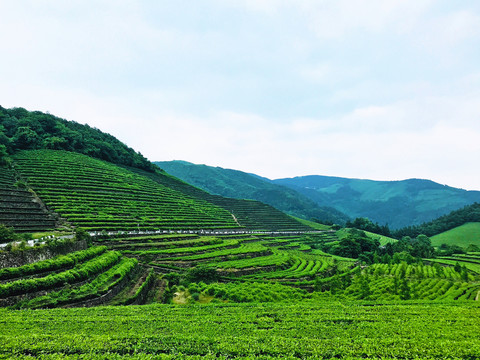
320,330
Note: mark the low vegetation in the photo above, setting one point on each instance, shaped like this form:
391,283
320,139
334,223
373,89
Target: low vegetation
319,329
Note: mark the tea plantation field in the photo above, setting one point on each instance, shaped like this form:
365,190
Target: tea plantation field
189,269
303,330
97,195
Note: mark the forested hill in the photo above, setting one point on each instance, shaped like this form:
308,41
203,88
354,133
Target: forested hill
396,203
456,218
240,185
33,130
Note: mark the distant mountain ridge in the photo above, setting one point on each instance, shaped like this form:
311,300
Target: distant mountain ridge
240,185
396,203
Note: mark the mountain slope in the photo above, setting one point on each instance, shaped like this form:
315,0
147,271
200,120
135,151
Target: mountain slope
240,185
456,218
254,215
396,203
98,195
92,180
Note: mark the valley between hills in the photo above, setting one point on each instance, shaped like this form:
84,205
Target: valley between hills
107,255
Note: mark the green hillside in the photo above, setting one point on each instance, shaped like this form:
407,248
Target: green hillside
292,274
396,203
240,185
57,180
97,195
234,268
463,236
470,213
21,129
252,214
19,208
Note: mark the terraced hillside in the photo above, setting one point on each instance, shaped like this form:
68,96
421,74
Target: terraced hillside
97,195
84,278
470,261
249,260
249,267
19,208
251,214
240,185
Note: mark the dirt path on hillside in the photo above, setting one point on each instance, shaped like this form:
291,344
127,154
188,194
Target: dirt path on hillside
235,219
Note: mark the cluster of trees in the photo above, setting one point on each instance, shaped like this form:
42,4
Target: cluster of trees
7,234
353,245
366,224
356,244
407,249
448,250
470,213
28,130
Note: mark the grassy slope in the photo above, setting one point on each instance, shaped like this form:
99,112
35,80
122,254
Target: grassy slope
383,239
463,236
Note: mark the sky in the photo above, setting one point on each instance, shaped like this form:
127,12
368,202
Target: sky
383,90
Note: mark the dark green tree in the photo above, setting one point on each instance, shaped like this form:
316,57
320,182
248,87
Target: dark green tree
26,138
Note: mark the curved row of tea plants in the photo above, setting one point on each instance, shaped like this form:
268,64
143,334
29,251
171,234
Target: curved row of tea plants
79,273
57,263
98,286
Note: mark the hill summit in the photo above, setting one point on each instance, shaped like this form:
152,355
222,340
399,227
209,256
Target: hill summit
21,129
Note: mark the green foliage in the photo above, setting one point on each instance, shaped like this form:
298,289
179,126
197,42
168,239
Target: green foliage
3,155
97,195
286,330
202,273
240,185
253,292
26,130
447,250
353,244
404,281
82,235
456,218
366,224
98,286
7,234
59,262
77,274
